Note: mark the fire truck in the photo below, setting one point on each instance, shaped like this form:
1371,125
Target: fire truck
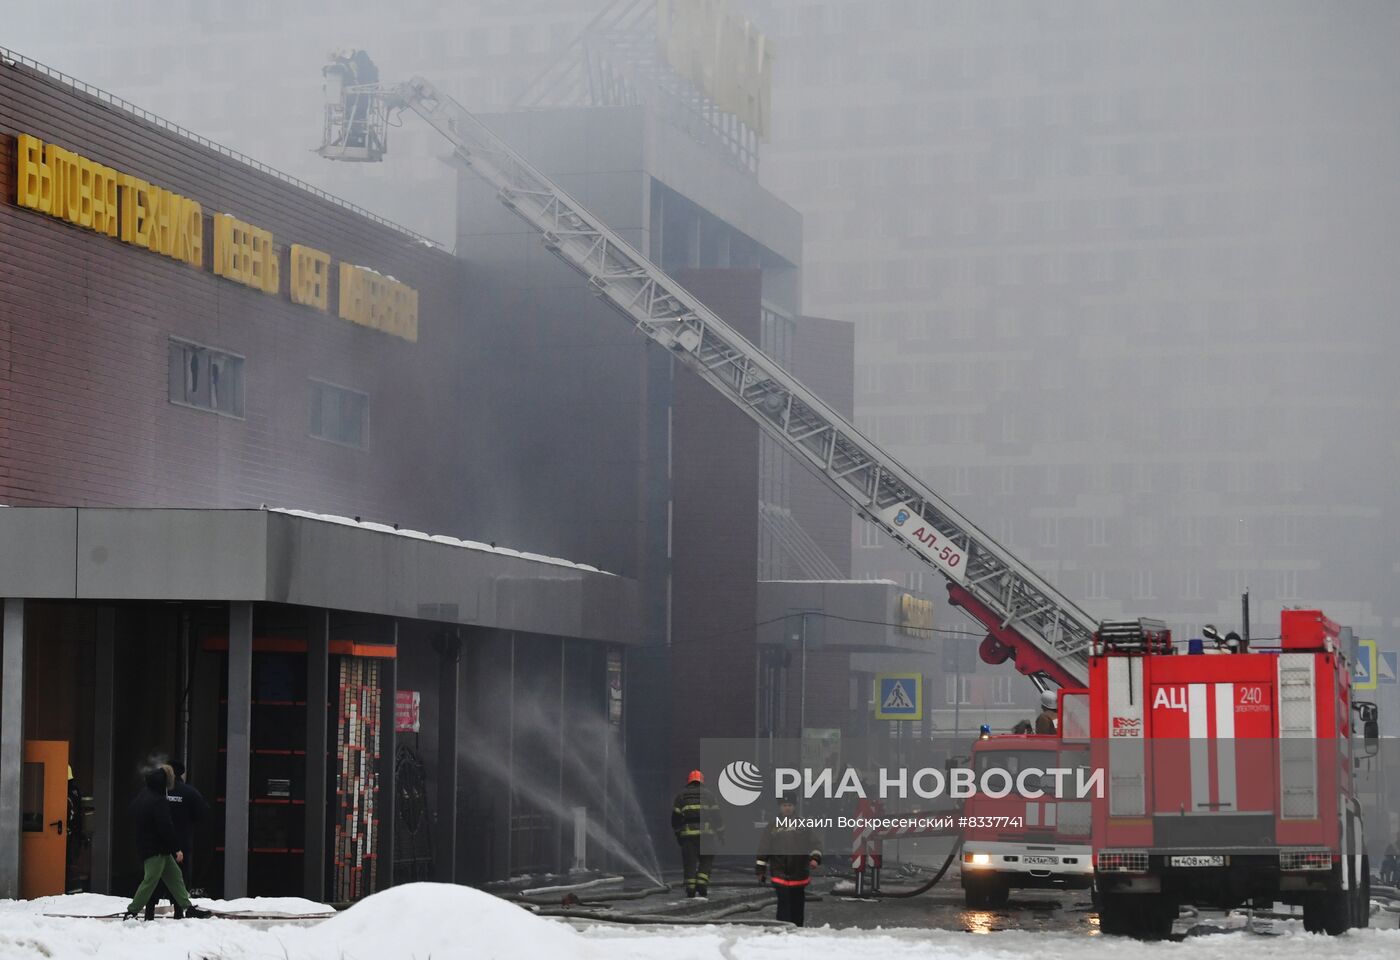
1022,841
1228,775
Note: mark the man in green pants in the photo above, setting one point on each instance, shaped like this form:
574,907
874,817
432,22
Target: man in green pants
158,846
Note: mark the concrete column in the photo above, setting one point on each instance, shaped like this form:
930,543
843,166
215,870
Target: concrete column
317,739
445,836
389,685
562,859
104,748
240,719
510,768
11,746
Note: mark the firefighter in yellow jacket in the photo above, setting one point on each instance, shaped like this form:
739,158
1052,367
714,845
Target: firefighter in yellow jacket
698,824
788,853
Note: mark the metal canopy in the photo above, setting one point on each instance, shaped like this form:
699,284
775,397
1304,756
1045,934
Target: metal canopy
265,556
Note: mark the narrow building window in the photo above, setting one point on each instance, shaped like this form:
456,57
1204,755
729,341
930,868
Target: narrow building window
339,415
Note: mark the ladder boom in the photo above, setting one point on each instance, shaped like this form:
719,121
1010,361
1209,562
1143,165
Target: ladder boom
881,489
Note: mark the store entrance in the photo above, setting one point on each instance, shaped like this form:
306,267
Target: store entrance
44,818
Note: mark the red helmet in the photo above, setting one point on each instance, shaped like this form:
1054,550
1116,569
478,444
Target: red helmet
695,777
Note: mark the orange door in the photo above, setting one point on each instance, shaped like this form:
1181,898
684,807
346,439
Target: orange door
44,817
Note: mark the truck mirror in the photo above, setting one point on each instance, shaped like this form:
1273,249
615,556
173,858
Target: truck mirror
1371,733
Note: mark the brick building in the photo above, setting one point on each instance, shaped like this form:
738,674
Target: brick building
157,365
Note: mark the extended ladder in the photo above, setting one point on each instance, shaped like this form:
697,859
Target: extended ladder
1025,616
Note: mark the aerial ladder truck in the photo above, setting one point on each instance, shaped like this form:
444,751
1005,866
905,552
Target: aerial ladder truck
1027,620
1047,636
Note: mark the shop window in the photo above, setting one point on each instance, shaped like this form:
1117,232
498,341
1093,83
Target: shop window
339,415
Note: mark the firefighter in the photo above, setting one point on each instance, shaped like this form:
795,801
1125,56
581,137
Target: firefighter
1390,864
697,823
1049,715
788,853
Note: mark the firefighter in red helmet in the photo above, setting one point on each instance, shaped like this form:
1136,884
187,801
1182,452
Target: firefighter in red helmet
697,822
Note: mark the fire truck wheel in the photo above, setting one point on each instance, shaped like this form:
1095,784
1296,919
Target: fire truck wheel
1118,914
1165,920
998,894
1329,912
986,894
1140,916
1158,916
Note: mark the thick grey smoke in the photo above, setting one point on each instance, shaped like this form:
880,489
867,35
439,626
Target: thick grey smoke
1123,274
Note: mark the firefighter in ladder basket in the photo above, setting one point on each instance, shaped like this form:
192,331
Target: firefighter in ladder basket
1049,713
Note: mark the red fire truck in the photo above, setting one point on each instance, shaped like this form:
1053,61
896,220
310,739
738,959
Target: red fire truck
1025,842
1228,776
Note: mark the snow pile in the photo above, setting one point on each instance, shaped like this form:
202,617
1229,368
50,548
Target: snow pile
439,920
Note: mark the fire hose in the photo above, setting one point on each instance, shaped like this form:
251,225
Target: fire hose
926,887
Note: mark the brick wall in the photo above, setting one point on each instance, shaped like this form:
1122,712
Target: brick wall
85,321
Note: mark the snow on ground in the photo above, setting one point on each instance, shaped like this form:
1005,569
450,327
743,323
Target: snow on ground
99,905
424,920
266,906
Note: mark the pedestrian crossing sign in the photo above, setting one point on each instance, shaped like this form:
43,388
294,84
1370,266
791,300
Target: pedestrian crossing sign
899,696
1364,676
1387,666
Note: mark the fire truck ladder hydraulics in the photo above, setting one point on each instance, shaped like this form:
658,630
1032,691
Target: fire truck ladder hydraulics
1024,615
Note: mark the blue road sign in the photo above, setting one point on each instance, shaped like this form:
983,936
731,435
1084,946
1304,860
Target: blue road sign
899,696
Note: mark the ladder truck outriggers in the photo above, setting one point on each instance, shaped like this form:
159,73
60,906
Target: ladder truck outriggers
1228,775
1028,621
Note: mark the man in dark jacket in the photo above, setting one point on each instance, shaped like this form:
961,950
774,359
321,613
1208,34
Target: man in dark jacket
788,852
158,847
187,807
697,823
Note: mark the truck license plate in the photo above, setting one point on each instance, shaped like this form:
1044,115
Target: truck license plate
1198,861
1039,861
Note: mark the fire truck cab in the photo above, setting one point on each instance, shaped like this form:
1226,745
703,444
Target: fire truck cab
1228,776
1019,841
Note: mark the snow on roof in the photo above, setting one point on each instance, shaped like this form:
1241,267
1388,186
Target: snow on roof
435,538
887,582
